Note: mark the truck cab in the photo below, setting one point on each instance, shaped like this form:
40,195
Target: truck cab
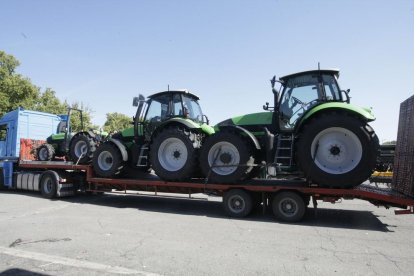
21,123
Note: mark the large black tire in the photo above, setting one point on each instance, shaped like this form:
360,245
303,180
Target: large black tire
82,144
107,160
49,182
226,148
174,154
346,150
237,203
45,152
288,206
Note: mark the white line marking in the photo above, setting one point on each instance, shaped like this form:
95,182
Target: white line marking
49,259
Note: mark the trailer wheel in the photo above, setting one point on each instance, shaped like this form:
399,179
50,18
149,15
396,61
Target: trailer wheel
49,184
288,206
45,152
237,203
107,160
82,145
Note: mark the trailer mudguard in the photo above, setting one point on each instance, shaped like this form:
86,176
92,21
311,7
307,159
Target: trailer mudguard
121,148
242,130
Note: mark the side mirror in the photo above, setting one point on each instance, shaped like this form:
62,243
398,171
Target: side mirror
207,120
273,81
136,100
346,92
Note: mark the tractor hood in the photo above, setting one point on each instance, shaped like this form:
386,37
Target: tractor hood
253,119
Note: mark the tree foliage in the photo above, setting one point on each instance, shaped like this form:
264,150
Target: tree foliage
116,121
18,91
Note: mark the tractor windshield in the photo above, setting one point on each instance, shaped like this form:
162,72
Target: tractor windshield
302,92
193,108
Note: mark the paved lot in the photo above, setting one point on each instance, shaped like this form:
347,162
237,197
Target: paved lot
118,234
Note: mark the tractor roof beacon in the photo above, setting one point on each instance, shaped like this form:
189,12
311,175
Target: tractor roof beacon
168,131
312,130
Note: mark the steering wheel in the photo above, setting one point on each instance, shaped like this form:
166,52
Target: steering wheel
297,101
155,119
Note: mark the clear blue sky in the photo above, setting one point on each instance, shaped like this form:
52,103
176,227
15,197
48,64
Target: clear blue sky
103,53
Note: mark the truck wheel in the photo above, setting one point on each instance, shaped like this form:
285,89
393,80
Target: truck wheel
337,150
237,203
82,144
48,184
288,206
174,154
231,156
45,152
107,160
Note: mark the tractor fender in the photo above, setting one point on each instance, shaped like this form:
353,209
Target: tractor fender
364,114
187,123
88,133
190,124
121,148
240,129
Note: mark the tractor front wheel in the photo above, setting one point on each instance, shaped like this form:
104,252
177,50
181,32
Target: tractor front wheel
45,152
107,160
337,150
226,157
174,154
82,148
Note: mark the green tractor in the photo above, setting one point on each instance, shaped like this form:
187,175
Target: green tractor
167,135
77,147
311,131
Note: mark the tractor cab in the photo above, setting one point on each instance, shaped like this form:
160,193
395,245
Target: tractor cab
165,106
302,91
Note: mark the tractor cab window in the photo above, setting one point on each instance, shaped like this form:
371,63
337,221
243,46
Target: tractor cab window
331,88
299,94
158,109
192,108
178,105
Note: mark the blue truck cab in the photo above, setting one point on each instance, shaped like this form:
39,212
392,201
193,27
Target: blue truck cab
28,124
19,124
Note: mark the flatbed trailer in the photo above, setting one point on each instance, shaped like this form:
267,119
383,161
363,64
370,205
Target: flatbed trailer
288,198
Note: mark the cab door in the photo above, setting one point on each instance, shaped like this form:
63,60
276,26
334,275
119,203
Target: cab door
5,140
159,110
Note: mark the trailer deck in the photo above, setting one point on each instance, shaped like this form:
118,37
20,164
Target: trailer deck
264,189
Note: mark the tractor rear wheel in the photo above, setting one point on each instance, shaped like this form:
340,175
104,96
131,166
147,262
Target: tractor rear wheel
107,160
337,150
45,152
174,154
226,157
81,149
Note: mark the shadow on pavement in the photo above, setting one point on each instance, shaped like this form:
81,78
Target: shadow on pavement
325,217
20,272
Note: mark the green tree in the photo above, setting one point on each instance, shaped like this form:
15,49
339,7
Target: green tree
15,90
18,91
117,121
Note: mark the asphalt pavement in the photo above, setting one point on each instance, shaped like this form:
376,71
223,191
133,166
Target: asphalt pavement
141,235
